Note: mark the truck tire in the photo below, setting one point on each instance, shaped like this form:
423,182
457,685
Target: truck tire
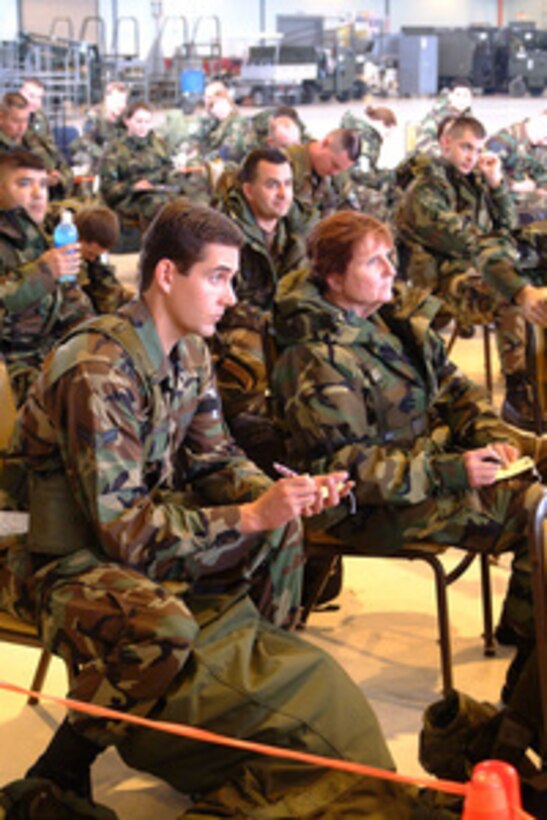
535,90
325,96
517,87
343,96
308,94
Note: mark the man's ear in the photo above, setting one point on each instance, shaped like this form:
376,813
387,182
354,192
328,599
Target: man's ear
246,188
164,273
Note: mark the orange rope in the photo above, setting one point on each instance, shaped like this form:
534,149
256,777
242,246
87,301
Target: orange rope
260,748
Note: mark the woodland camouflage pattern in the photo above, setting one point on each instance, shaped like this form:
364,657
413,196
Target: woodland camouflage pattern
519,157
377,397
131,159
228,140
455,239
316,197
142,455
35,309
426,131
97,134
239,343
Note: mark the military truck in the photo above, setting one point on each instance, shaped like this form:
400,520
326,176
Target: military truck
298,74
511,59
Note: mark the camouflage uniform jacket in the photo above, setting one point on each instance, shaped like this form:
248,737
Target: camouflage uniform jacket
97,134
261,267
228,140
426,131
376,397
135,443
520,159
130,159
47,150
456,217
260,124
35,309
371,140
315,196
39,124
98,280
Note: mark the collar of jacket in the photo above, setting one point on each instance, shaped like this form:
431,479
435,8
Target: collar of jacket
14,224
303,314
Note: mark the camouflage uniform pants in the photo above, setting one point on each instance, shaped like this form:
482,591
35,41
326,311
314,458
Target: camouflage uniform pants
471,301
493,519
126,637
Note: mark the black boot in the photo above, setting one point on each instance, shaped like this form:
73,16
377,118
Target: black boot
67,761
518,406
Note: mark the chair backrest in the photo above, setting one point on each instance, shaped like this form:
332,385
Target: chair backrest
538,554
7,403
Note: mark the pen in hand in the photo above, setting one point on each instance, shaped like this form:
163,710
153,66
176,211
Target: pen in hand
288,473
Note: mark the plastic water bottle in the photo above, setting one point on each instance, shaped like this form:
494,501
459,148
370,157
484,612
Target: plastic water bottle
65,233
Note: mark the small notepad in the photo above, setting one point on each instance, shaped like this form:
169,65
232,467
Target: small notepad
521,465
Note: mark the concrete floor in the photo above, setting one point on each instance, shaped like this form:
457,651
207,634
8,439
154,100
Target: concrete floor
384,632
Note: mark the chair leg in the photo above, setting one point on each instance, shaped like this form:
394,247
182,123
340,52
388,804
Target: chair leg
442,619
486,589
487,337
40,675
314,591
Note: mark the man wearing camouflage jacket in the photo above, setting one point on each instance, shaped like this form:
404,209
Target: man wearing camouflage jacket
455,224
36,307
124,437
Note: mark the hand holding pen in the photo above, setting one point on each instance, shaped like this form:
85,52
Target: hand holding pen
331,487
483,463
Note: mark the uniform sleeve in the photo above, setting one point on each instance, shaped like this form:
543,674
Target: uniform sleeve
429,213
333,425
101,415
24,285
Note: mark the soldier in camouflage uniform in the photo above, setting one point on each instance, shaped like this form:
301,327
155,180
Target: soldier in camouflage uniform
102,127
137,175
124,430
454,103
15,132
98,232
316,166
522,148
278,127
455,225
221,133
33,90
259,202
372,184
36,306
365,386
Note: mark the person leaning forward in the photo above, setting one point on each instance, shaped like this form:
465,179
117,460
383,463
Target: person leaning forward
123,433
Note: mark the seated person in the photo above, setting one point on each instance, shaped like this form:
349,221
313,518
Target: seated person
259,203
36,305
365,386
278,127
221,133
455,224
522,148
33,90
98,232
371,184
16,132
137,175
454,102
315,166
126,423
102,126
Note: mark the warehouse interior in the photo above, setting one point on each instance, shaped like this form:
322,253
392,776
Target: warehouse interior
382,628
